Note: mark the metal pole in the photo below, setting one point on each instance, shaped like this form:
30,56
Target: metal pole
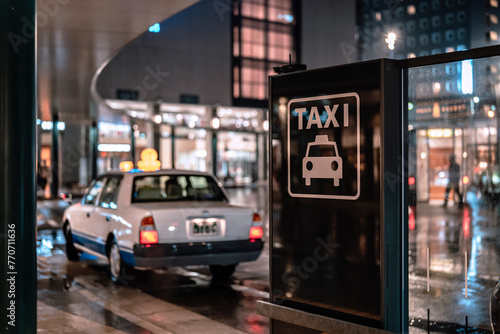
132,141
94,138
54,157
172,136
214,152
17,171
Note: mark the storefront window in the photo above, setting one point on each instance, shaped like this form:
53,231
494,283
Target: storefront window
237,158
454,254
114,145
190,149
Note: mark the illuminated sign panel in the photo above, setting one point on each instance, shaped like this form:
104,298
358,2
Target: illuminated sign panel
335,163
319,160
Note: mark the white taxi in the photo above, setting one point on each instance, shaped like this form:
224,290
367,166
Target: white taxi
158,219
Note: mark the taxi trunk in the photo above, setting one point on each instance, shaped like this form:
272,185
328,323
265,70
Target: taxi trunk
181,222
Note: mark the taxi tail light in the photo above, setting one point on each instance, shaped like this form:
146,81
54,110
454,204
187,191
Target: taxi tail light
256,231
148,233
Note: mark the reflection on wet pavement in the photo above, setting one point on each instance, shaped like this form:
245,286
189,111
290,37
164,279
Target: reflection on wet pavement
83,289
454,266
80,298
75,295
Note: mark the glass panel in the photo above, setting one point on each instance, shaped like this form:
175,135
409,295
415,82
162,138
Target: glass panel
237,158
253,81
252,43
454,183
249,9
281,12
236,44
94,190
190,149
156,188
110,193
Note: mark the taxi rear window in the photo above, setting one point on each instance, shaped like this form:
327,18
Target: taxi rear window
154,188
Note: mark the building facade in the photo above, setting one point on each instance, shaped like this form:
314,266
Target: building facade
452,107
210,61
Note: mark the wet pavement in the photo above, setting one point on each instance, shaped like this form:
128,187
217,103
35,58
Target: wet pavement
453,257
79,297
454,265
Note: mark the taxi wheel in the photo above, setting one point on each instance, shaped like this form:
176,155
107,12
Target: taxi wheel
71,251
222,272
116,266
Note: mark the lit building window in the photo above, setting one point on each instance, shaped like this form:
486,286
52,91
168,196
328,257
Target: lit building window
253,82
236,82
436,87
236,42
263,38
411,10
254,10
494,3
280,44
467,83
252,45
280,11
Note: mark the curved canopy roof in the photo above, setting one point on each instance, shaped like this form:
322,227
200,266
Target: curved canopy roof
75,37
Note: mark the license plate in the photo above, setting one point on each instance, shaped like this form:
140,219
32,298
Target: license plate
205,228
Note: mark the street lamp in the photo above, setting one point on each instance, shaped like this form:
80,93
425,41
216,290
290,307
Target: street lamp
391,41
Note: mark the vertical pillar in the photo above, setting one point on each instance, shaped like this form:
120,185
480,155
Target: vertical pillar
156,127
255,172
172,136
214,139
149,127
93,139
214,152
54,157
268,146
17,170
497,153
38,132
132,140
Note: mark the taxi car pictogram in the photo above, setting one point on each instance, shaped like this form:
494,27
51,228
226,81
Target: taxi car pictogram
322,161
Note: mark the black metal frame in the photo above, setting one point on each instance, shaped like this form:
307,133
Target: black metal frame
484,52
393,294
397,319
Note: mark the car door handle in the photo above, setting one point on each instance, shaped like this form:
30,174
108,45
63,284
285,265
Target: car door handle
108,218
88,214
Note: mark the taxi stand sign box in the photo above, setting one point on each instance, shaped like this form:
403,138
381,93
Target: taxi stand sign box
337,198
321,159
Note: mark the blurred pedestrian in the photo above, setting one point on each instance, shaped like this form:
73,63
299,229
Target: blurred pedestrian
43,175
453,181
